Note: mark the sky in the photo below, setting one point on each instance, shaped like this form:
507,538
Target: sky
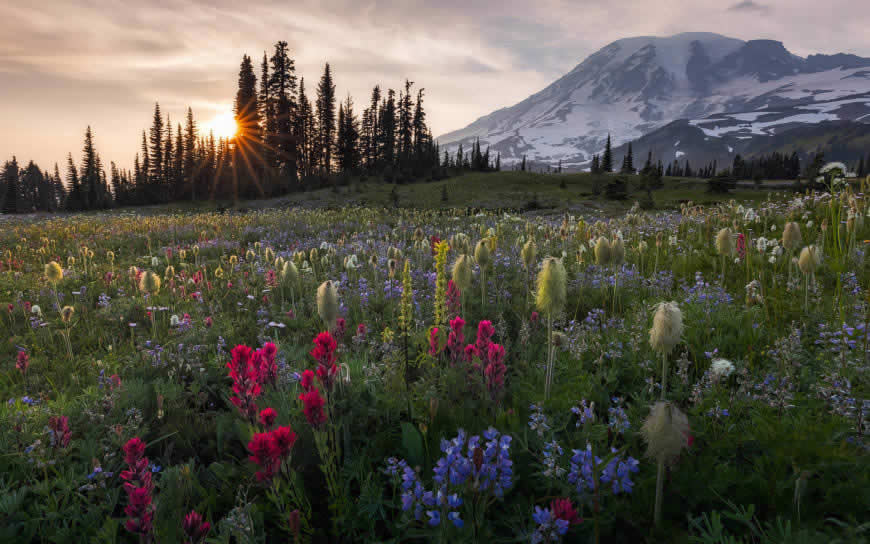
68,64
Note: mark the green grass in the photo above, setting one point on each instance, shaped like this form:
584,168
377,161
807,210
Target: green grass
515,190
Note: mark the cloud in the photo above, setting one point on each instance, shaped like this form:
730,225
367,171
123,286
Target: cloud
65,64
749,5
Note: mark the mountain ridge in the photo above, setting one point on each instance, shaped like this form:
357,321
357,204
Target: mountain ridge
634,86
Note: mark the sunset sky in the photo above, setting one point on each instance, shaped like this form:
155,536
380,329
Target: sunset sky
65,64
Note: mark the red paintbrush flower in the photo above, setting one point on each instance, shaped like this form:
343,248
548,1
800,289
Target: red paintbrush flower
563,509
134,449
324,349
59,425
313,407
284,438
307,380
195,527
267,417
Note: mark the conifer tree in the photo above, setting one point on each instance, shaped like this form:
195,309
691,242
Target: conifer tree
282,90
90,174
11,177
607,158
189,162
405,128
247,139
348,137
387,129
371,129
304,131
419,126
326,119
59,192
155,157
168,162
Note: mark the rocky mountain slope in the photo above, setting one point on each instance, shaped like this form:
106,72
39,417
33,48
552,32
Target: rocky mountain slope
732,94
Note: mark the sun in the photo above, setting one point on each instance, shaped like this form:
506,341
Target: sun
223,124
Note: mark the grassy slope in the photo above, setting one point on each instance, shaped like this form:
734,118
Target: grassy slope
513,190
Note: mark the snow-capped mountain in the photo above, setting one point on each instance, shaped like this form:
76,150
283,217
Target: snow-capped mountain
728,89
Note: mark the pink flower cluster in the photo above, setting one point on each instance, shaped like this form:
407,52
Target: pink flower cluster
483,356
455,339
59,426
195,528
324,352
250,370
454,299
312,401
22,361
138,486
741,246
269,449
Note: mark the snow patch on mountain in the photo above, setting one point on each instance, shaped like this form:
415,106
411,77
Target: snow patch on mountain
634,86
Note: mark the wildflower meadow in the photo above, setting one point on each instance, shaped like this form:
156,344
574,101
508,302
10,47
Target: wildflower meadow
391,375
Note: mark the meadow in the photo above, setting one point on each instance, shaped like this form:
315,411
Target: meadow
695,373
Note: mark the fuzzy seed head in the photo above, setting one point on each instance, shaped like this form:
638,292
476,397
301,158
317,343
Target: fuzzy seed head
149,283
809,260
482,253
552,286
791,236
66,313
724,242
53,272
617,251
602,251
667,328
666,432
529,254
289,273
327,303
462,272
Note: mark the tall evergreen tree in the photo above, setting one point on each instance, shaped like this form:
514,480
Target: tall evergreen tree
268,126
91,181
304,132
419,125
189,173
387,129
325,119
371,129
11,175
628,161
246,150
180,186
59,192
168,163
282,91
348,137
75,198
405,135
607,158
155,156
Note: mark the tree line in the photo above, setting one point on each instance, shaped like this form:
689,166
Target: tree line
286,140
